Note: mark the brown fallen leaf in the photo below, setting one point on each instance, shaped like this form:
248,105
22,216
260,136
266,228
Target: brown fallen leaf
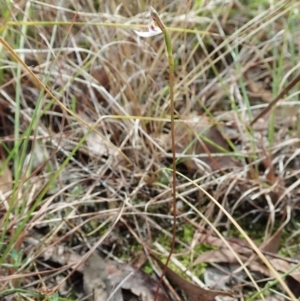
279,265
257,88
194,292
217,256
283,266
272,244
226,256
98,144
136,281
95,278
239,245
235,243
101,76
197,135
293,286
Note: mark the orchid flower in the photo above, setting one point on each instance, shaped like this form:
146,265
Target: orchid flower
155,28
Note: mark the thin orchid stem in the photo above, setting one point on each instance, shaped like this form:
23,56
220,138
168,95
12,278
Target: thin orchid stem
155,17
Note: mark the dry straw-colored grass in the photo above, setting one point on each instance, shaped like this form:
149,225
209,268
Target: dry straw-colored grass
232,59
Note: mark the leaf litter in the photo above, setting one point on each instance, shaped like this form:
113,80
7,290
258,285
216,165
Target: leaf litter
197,137
194,145
103,278
193,291
96,283
98,145
106,278
224,255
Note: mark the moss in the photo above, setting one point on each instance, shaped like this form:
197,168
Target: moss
185,234
147,268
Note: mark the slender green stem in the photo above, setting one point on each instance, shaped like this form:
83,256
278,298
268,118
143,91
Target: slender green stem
155,17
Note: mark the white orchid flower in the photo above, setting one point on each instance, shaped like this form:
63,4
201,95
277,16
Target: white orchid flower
153,30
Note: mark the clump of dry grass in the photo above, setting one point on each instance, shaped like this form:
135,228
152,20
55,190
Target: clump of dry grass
75,184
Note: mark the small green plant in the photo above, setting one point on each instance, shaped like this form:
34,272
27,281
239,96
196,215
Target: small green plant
16,259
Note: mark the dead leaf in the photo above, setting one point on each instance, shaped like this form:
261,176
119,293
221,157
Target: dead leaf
37,157
272,244
194,292
137,281
223,278
283,266
279,265
95,280
226,256
98,145
197,135
101,76
237,244
217,256
293,286
258,90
